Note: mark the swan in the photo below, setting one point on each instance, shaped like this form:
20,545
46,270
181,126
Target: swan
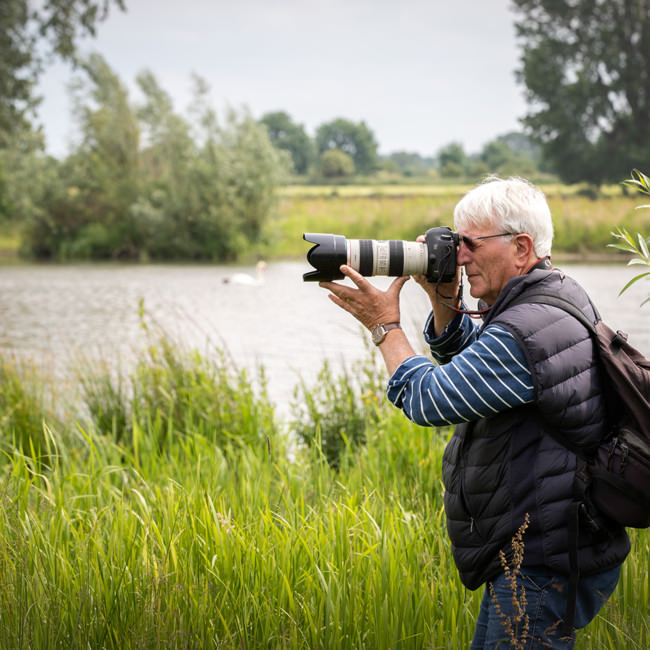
245,279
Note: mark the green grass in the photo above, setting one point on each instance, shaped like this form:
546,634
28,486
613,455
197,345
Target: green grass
583,226
151,520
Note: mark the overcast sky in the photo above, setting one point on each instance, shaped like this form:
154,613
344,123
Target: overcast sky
420,73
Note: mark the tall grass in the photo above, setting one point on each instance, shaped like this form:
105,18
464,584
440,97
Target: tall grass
25,405
197,539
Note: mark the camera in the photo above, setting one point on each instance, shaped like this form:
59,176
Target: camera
435,257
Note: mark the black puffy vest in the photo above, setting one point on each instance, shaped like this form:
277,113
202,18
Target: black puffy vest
497,469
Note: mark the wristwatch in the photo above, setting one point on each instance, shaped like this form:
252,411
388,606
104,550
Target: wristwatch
379,332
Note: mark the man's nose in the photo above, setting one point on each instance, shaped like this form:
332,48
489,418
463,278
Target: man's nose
462,254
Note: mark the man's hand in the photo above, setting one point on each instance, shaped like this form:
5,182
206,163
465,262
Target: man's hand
442,296
445,292
369,305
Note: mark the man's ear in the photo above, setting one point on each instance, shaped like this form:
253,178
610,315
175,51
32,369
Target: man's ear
524,249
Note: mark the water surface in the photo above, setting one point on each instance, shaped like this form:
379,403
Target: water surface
56,315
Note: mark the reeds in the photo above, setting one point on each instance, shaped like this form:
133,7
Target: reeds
180,533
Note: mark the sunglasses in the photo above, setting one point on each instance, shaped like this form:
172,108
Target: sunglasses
471,244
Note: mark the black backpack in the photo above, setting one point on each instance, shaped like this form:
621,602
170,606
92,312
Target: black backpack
616,478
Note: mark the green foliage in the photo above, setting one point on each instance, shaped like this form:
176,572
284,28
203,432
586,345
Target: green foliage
146,183
28,179
509,154
339,410
292,138
355,140
639,248
16,87
176,394
209,195
30,33
25,412
585,66
639,181
173,393
452,160
84,220
627,243
117,545
499,158
411,164
334,163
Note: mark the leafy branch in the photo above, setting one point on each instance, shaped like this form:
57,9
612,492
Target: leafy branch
640,182
626,242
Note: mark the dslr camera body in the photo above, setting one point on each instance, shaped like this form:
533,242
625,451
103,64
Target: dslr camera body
435,257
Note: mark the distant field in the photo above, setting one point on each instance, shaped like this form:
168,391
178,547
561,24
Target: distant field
550,189
583,226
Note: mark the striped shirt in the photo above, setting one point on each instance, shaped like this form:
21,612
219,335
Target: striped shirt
472,379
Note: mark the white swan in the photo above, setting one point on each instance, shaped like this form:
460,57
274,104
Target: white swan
246,279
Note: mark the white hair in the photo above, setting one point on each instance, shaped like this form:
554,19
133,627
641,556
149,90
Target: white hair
512,205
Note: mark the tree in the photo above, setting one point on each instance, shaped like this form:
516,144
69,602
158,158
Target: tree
521,145
356,140
31,36
28,177
452,160
586,69
290,137
209,189
335,163
411,163
162,213
99,181
509,154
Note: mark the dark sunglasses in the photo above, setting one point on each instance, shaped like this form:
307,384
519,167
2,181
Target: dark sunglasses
470,242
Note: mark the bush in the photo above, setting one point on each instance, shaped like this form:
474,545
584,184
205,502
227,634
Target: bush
336,164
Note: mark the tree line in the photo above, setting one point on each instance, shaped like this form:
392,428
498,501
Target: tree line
342,149
144,182
583,66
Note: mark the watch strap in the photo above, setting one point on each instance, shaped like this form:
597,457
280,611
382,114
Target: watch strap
379,332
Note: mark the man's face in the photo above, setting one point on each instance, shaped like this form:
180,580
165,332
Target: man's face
489,262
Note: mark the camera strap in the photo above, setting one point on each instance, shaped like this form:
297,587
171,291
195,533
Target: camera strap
543,264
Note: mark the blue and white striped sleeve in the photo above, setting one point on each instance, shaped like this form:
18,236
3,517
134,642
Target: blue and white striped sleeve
488,376
458,334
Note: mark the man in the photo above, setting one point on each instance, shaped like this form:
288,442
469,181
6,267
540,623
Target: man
528,370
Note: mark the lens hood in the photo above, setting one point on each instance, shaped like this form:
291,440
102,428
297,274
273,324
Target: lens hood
326,256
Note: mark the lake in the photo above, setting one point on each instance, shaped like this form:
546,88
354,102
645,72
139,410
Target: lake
56,315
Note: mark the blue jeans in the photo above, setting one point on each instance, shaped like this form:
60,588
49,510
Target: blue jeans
545,606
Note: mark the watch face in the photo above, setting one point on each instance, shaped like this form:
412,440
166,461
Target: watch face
378,334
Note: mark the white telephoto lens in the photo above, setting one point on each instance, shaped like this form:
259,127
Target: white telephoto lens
389,257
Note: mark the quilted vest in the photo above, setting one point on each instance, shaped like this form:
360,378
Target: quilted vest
498,469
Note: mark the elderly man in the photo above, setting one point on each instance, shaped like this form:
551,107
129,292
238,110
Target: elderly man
527,370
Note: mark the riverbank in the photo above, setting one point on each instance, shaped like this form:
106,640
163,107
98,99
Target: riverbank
583,225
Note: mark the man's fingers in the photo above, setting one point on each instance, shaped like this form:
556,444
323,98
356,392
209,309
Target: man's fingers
355,276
